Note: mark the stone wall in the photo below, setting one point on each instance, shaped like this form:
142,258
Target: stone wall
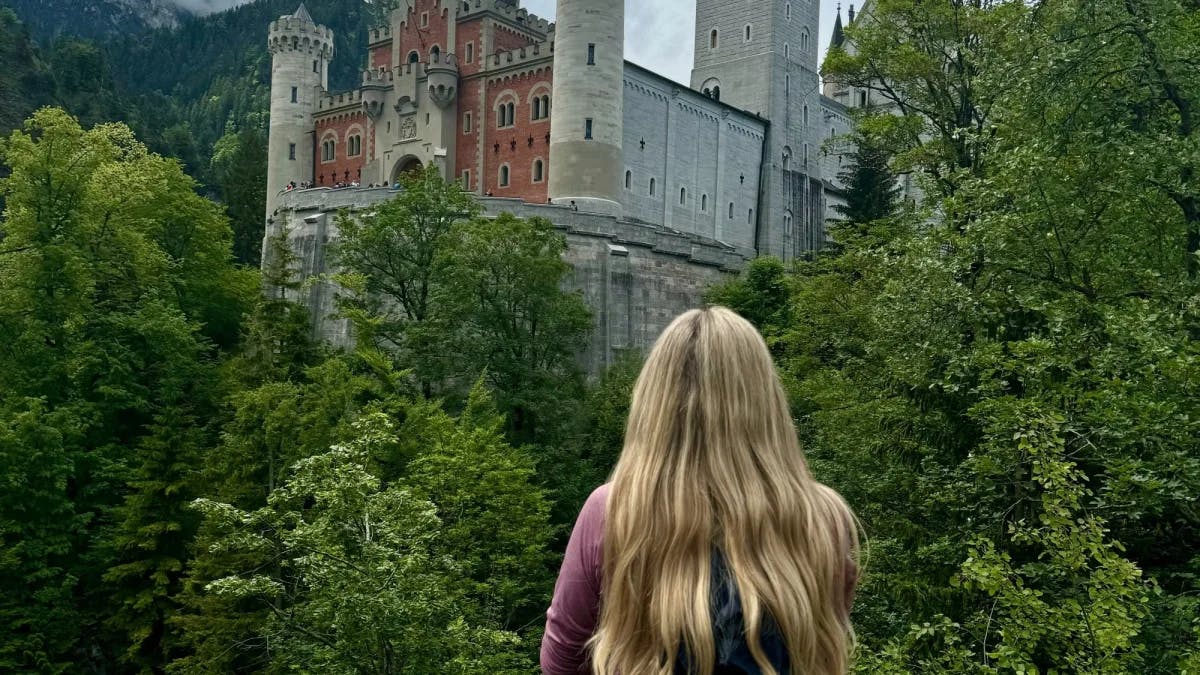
635,278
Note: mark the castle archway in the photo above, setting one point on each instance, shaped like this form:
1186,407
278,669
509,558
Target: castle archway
407,164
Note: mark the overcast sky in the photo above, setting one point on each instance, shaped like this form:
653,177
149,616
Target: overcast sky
659,34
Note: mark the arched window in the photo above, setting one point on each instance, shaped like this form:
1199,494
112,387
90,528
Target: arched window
682,195
787,158
537,109
414,57
730,210
712,39
435,54
512,113
804,41
470,52
806,115
704,202
545,105
787,51
787,224
716,93
628,179
506,115
789,11
537,170
504,175
651,187
806,154
750,217
541,107
747,32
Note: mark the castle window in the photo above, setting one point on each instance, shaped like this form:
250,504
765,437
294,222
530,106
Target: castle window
712,39
537,108
787,51
295,94
806,154
424,19
587,129
628,179
316,67
466,179
591,55
747,39
467,123
541,107
704,203
805,115
355,145
787,158
682,196
506,115
651,187
291,151
862,98
787,84
414,57
504,176
716,93
538,167
731,210
435,54
787,224
470,52
804,41
788,11
750,217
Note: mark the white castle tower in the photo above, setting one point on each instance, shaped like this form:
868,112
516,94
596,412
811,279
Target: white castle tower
762,57
300,55
586,129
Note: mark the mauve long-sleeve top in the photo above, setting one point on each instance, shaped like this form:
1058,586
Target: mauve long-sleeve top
574,610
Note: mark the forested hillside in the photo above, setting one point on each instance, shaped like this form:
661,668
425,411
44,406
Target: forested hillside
94,19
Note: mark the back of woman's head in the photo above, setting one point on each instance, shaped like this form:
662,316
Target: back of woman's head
711,463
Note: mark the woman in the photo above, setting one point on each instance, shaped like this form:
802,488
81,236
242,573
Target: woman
712,550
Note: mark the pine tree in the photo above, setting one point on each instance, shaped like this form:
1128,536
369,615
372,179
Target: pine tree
871,190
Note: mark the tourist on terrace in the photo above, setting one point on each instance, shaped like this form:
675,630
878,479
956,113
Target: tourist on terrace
712,542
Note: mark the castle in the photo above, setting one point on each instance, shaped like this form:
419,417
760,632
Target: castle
660,189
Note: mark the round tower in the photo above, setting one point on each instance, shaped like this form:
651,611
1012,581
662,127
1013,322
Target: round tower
587,123
300,55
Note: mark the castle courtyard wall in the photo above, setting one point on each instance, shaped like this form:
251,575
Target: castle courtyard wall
635,278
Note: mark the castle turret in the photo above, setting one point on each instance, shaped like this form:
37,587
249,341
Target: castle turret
586,126
300,55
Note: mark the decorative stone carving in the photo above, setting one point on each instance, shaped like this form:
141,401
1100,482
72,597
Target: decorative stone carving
408,128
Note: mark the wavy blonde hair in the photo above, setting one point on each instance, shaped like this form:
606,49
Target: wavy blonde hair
711,462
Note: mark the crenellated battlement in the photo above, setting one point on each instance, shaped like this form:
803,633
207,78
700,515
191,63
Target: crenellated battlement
377,36
507,9
291,33
515,57
338,101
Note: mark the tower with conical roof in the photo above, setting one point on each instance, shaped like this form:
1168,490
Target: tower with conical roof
301,52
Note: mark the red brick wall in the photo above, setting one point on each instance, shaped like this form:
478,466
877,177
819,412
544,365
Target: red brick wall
470,92
343,168
506,39
472,32
381,57
412,36
520,144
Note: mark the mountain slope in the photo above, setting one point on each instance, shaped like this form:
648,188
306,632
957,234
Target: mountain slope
94,19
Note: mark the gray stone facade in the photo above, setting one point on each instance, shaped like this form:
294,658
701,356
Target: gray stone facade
634,277
703,156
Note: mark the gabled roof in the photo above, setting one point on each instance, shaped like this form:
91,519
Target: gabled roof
302,14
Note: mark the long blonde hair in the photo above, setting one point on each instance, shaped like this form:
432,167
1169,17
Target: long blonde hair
711,462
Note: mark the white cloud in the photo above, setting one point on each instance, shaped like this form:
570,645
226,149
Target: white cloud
207,6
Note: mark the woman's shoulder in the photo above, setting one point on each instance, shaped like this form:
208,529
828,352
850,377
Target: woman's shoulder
595,506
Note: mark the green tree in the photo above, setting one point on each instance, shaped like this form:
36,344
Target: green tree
112,268
871,189
240,165
358,583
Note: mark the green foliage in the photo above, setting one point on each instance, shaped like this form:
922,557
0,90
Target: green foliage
871,190
453,295
240,168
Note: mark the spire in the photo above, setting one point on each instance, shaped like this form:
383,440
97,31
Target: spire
302,14
838,36
852,13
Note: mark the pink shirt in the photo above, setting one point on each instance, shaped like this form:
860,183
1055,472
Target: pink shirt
575,609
